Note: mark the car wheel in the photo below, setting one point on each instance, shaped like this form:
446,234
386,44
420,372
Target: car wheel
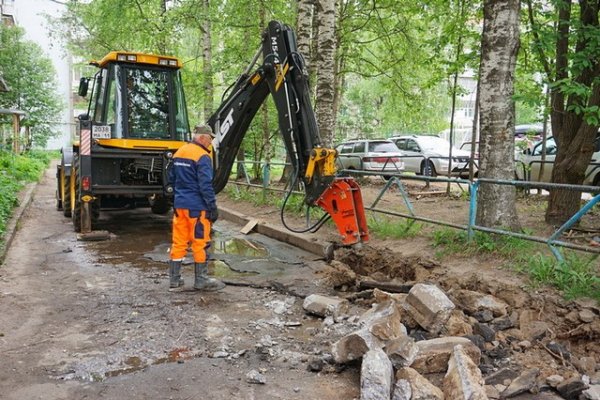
428,169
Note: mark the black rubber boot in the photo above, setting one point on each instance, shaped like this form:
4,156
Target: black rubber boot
175,280
203,281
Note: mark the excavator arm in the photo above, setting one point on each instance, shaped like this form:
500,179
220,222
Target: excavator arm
282,75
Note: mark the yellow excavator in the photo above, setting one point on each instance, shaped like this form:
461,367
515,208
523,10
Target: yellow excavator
137,119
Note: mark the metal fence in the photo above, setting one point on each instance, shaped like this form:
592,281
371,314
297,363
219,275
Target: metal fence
470,226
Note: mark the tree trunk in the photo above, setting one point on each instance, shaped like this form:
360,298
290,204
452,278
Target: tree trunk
573,136
241,166
207,74
339,65
499,47
325,70
304,30
474,135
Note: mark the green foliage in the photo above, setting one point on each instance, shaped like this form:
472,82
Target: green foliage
31,79
396,229
94,28
15,171
575,276
393,65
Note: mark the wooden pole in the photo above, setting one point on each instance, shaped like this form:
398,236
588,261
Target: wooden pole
16,129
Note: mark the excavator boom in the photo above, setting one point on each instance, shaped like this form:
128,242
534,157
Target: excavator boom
282,74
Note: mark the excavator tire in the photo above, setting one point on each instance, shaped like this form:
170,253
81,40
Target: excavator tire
66,201
76,214
59,203
95,205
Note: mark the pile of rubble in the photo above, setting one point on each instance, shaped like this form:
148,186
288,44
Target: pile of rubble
430,345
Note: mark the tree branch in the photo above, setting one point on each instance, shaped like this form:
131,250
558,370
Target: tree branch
538,42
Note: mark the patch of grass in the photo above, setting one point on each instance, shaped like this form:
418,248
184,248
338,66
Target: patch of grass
396,228
248,195
15,172
453,241
258,197
295,203
575,276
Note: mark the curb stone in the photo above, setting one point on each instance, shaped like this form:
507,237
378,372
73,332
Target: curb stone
11,227
321,249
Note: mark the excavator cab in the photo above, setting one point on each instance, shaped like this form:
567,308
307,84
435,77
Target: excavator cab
137,96
136,119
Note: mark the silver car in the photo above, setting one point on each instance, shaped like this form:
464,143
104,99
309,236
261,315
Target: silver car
374,155
529,163
430,155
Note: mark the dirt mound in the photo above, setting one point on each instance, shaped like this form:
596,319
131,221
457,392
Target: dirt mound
385,265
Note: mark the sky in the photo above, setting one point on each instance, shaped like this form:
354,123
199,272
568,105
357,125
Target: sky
29,14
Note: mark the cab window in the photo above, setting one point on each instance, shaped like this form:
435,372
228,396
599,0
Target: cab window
550,148
147,103
411,145
401,143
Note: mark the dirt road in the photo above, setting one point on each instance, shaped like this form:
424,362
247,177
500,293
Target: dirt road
94,320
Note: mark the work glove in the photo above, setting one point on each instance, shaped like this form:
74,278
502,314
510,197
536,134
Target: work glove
212,215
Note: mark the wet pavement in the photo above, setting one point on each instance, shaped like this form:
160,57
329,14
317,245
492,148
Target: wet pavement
232,254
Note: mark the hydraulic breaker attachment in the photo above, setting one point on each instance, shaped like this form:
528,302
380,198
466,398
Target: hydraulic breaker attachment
342,200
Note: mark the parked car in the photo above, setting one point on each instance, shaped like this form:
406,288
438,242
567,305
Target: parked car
525,137
430,155
466,146
529,163
375,155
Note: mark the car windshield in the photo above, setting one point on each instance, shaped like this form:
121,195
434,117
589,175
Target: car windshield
383,147
434,143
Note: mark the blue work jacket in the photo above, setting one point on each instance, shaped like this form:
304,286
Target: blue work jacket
191,176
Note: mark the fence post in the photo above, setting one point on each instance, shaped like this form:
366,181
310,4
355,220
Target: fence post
473,188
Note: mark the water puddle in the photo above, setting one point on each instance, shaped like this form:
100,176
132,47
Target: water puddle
240,247
232,255
221,270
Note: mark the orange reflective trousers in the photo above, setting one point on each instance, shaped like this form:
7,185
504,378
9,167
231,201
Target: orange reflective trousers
190,227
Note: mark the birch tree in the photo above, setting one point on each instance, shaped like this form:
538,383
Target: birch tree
207,73
324,60
499,48
304,29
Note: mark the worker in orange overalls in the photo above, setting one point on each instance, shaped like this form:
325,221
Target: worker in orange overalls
195,208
